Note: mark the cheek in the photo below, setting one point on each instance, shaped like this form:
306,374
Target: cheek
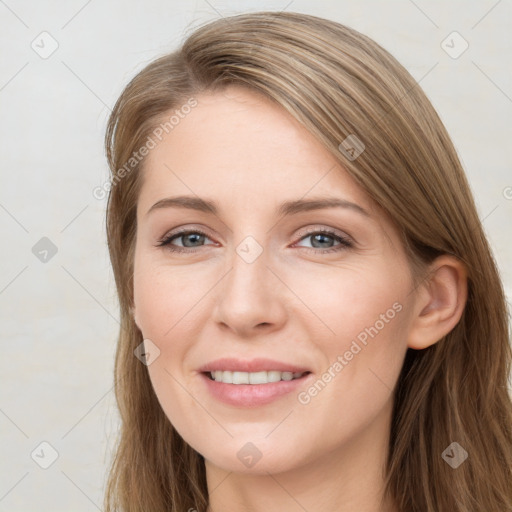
165,298
351,301
364,318
166,306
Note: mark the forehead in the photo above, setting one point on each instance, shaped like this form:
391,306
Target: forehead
239,145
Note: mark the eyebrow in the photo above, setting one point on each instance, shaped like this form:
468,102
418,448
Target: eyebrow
287,208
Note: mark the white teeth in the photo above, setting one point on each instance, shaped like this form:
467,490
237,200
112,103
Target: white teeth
240,378
228,377
273,376
257,378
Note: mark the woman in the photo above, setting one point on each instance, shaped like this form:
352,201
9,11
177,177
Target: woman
311,315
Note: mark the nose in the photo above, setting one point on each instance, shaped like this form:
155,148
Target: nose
250,299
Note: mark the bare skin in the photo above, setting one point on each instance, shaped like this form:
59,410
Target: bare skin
295,302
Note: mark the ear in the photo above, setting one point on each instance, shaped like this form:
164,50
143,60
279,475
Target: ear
440,301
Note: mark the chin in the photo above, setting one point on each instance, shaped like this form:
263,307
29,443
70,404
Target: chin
252,458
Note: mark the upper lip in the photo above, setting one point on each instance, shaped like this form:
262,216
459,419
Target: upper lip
259,364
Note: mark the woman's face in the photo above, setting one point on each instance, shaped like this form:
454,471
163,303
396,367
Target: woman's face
258,280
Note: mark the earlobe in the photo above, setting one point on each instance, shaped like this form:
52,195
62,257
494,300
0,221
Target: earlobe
440,302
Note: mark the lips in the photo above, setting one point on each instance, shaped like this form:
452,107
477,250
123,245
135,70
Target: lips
253,395
255,392
251,366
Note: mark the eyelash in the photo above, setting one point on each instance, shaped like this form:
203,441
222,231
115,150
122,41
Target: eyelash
344,243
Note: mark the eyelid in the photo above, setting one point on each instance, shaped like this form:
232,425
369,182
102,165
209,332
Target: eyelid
183,231
345,241
333,231
302,234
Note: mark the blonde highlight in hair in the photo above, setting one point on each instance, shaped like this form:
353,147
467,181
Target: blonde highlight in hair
336,82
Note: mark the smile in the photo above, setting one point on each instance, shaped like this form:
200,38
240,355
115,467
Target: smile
253,389
263,377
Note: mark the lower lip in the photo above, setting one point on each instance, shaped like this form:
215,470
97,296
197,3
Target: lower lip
252,395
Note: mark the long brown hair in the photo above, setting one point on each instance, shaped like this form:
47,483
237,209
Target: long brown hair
337,83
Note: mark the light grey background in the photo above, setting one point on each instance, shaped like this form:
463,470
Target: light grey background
59,317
